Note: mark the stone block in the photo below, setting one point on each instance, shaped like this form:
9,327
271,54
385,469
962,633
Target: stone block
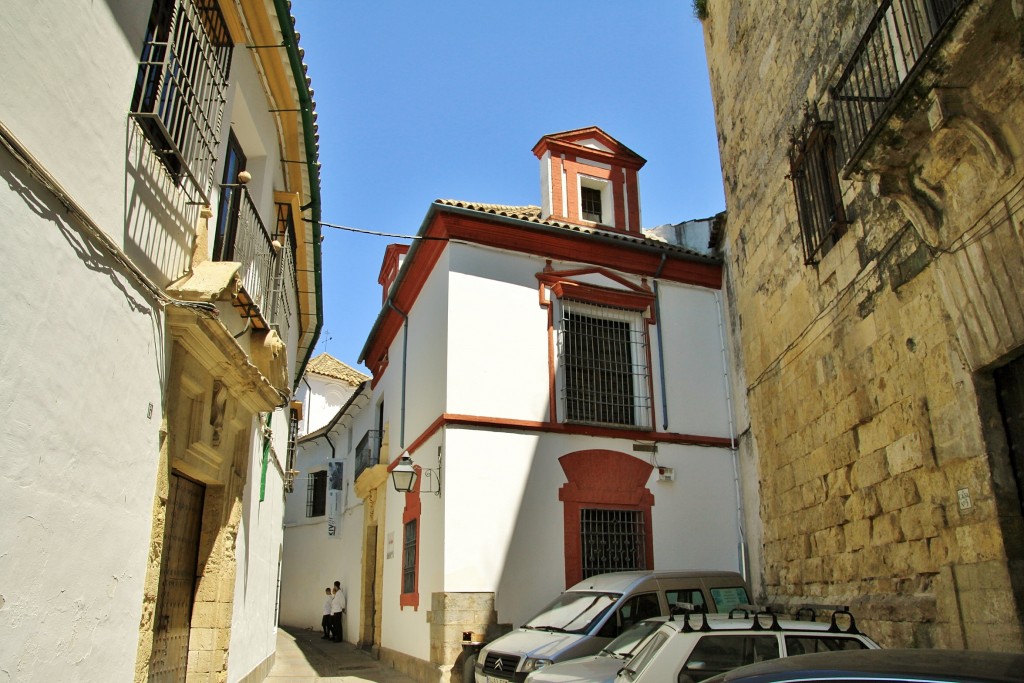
862,504
869,469
897,493
886,530
905,454
857,534
978,543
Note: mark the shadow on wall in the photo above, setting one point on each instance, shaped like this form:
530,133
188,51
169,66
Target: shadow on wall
159,223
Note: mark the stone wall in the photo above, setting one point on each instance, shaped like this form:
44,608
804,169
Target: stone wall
877,441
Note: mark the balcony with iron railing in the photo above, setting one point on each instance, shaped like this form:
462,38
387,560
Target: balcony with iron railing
368,451
267,267
895,48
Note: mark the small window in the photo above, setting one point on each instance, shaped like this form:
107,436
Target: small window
715,654
693,596
316,494
635,610
646,654
612,541
815,177
590,199
602,364
181,86
409,557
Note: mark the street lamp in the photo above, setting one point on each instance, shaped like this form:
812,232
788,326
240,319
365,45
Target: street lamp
403,476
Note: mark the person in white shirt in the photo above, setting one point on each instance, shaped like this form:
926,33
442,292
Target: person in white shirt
325,622
337,610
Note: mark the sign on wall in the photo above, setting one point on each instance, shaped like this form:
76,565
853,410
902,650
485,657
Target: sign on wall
335,484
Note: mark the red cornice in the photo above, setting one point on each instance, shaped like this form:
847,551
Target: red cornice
563,245
500,423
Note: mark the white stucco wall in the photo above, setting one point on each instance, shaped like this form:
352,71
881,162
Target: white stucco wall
498,527
83,351
497,332
81,361
258,549
694,361
314,560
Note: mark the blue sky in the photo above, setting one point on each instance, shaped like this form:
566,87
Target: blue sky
424,100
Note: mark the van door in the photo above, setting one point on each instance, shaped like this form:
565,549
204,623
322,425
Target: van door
633,610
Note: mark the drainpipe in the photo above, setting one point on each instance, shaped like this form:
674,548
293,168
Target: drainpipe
744,559
661,347
405,358
309,413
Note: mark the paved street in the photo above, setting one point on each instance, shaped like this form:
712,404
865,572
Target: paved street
303,657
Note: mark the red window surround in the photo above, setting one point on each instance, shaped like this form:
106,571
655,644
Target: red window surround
412,511
604,479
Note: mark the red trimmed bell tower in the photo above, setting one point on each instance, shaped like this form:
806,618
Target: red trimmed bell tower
589,178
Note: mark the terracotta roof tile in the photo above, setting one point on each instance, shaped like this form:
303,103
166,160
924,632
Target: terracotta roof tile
329,366
532,213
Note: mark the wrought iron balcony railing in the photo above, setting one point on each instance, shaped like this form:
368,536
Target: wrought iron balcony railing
268,267
901,34
368,451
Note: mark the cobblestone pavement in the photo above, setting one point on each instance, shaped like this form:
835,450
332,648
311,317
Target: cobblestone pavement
304,657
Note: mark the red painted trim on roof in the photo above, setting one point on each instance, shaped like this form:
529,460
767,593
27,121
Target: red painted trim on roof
564,246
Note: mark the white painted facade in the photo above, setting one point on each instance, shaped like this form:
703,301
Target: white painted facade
97,235
468,378
497,526
315,557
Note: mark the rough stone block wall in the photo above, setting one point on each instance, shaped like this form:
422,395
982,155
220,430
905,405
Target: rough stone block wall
868,374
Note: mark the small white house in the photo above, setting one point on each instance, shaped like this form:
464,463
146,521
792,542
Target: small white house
320,506
161,297
556,380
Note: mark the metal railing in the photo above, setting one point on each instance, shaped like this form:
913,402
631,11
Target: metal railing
181,87
368,451
254,249
284,292
890,54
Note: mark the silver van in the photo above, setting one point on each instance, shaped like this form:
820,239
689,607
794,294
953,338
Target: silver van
586,617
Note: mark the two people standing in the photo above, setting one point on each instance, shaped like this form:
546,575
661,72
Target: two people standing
334,608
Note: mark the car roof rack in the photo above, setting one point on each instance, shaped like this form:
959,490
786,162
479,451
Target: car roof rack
837,610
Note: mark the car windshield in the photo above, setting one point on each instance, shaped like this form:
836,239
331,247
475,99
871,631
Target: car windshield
629,640
574,612
651,647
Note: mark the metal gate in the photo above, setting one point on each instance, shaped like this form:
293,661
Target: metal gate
169,660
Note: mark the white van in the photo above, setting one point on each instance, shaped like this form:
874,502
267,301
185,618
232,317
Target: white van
586,617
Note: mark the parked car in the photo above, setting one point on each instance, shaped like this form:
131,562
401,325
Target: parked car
696,647
890,666
602,667
586,617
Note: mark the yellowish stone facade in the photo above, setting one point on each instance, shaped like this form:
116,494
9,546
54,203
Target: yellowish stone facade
878,458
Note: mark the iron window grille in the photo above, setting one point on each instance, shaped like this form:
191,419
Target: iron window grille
590,199
293,436
602,365
316,494
612,541
815,177
181,87
901,34
409,557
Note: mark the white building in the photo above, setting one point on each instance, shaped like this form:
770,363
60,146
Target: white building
558,380
161,296
318,546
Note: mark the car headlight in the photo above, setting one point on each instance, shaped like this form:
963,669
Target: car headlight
532,664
